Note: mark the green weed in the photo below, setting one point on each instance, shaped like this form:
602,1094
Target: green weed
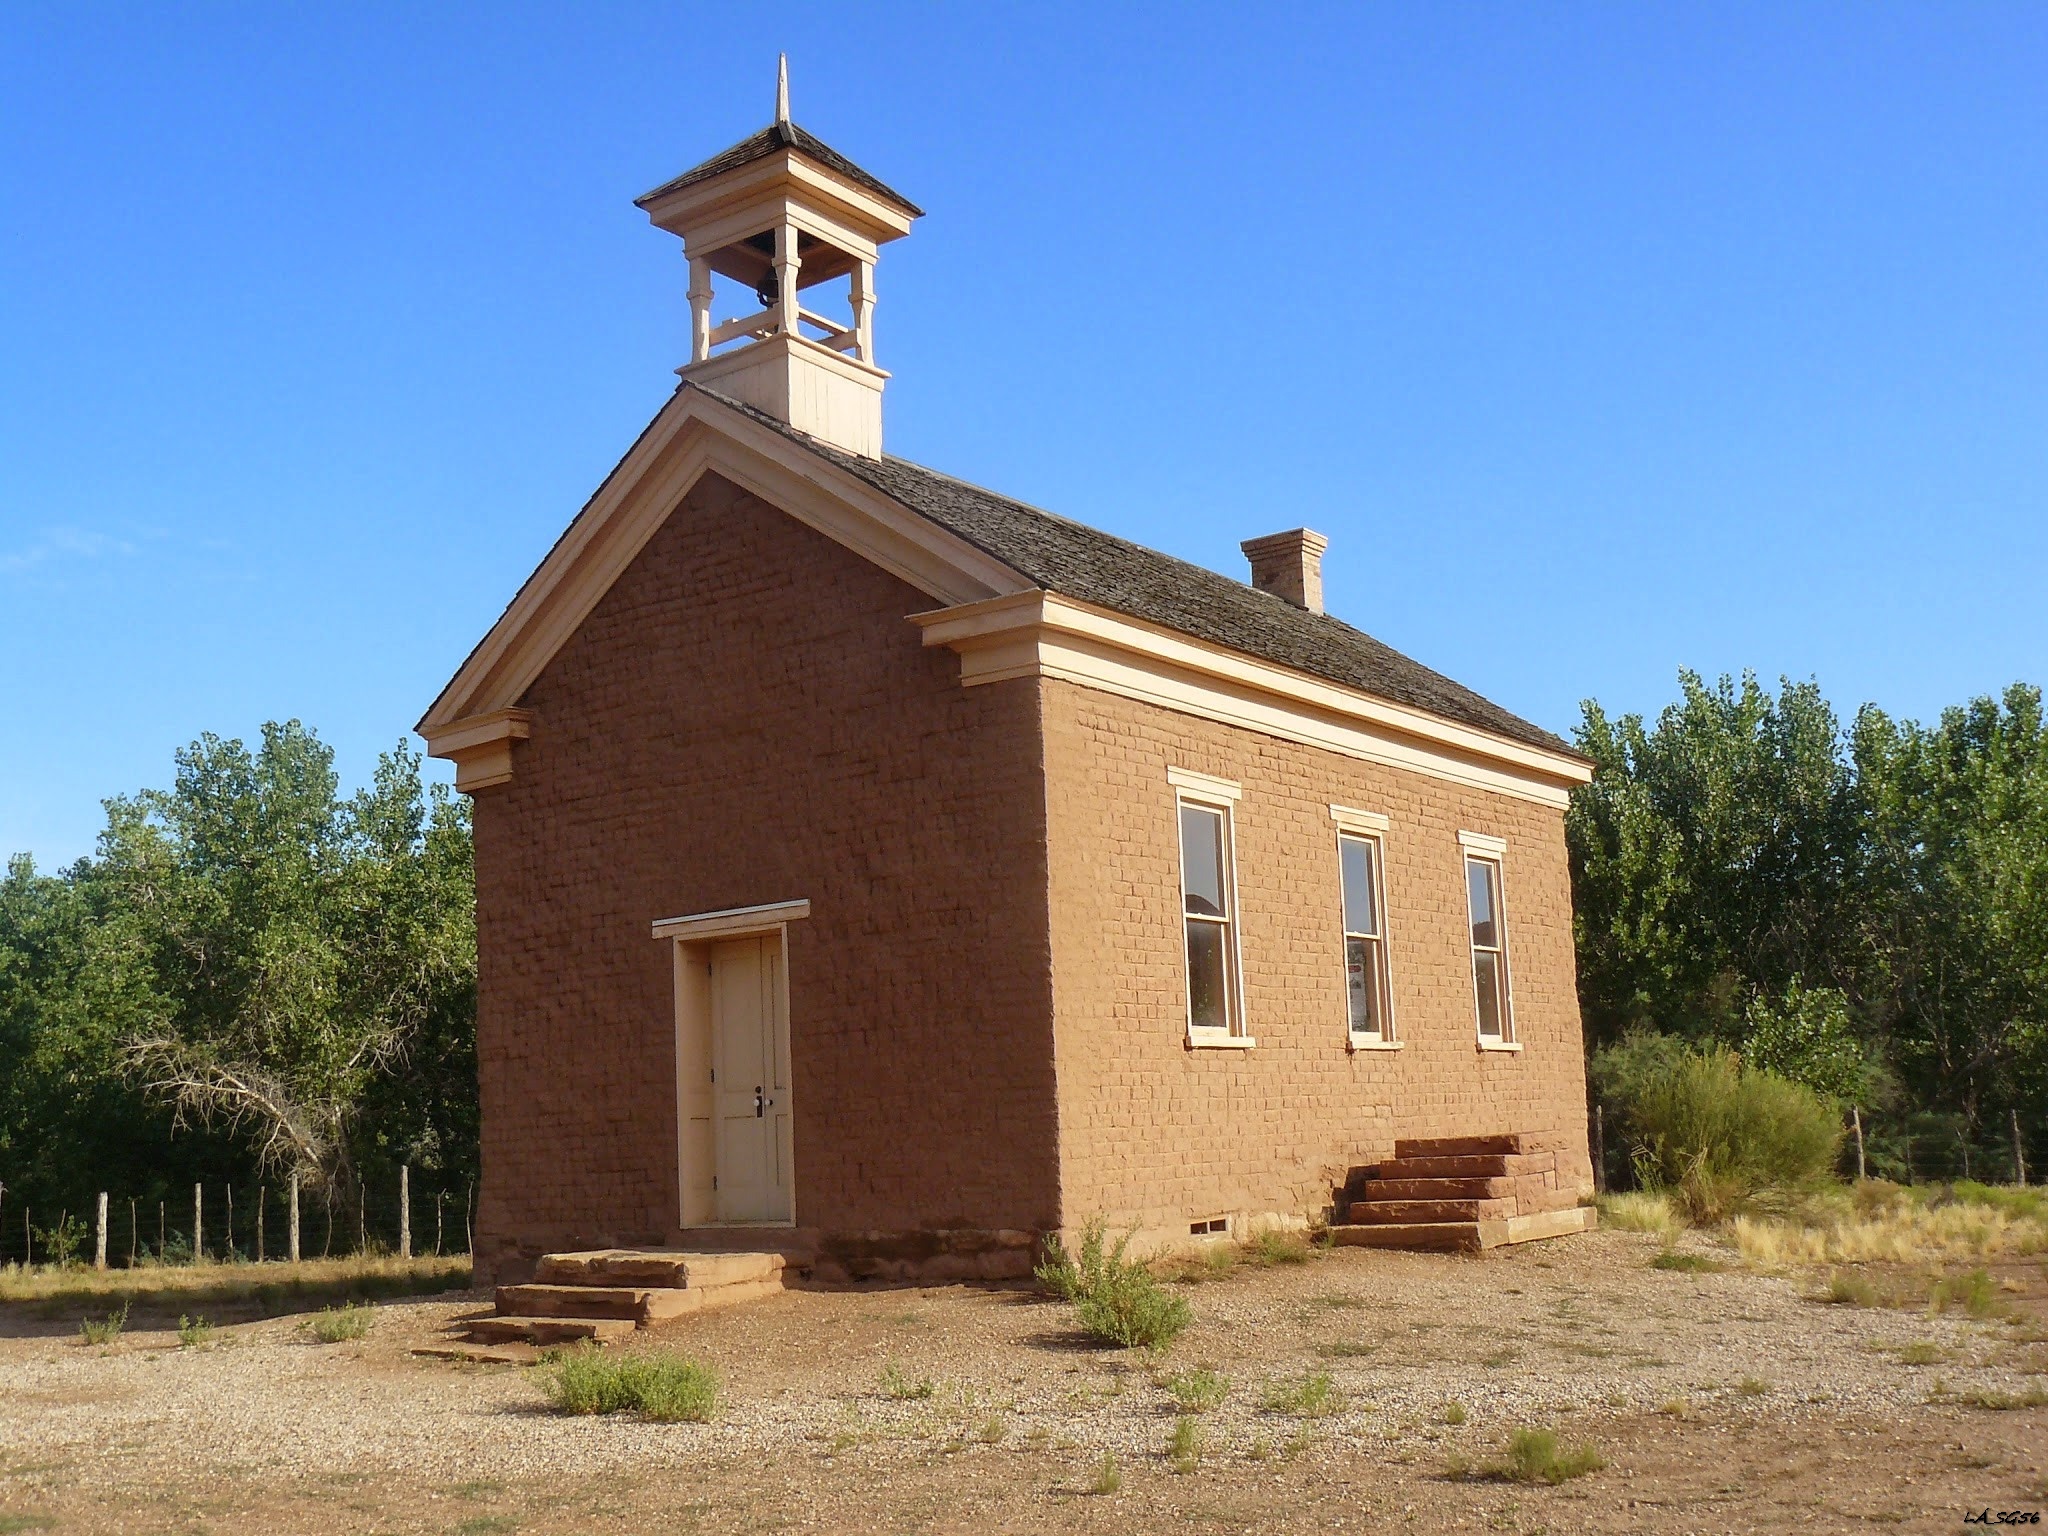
901,1387
337,1325
1534,1456
1315,1396
103,1330
1199,1390
1109,1477
656,1386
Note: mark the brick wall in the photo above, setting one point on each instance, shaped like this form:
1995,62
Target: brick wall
1155,1134
746,717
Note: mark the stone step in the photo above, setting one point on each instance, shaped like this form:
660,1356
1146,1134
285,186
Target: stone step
1465,1236
513,1352
549,1330
1499,1144
1411,1212
1469,1165
1436,1189
658,1268
1427,1236
628,1302
643,1306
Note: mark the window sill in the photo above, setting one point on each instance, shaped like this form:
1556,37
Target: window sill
1511,1046
1219,1042
1367,1043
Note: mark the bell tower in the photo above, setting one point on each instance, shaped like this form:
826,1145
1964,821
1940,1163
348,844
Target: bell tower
778,215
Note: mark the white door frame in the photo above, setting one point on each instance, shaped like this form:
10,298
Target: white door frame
691,939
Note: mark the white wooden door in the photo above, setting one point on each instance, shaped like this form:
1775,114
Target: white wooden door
750,1080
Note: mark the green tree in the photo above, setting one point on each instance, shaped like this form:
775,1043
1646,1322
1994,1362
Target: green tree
1956,911
1710,855
297,946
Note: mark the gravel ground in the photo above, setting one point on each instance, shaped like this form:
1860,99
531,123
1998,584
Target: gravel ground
263,1429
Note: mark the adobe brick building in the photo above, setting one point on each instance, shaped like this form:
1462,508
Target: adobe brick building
877,867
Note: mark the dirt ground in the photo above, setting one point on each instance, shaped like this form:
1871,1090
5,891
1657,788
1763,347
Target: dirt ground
1721,1401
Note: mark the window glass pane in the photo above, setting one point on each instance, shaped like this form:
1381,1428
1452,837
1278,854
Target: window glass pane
1201,859
1361,909
1207,1008
1362,973
1486,976
1480,876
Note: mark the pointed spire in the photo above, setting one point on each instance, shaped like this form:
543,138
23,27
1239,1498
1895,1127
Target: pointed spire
782,88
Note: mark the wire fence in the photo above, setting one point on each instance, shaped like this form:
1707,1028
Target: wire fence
243,1223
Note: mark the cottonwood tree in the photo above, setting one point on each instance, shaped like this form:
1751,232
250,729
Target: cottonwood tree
296,944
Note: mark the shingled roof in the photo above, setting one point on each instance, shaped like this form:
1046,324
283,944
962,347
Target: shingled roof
779,136
1083,563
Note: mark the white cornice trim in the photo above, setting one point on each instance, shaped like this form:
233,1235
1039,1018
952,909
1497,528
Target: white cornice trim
481,746
1351,819
1204,785
1041,634
730,922
691,436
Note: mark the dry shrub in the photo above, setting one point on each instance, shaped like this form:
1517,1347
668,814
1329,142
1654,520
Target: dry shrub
1885,1224
1646,1210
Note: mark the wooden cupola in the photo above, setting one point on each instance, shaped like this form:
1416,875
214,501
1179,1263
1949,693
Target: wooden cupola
780,213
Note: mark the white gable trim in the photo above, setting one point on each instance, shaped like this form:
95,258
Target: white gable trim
1041,634
691,436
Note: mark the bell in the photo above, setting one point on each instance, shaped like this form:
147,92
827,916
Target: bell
769,290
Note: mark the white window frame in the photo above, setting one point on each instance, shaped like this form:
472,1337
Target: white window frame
1484,848
1219,796
1370,827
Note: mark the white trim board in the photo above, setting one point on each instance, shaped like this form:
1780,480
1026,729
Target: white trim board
1204,786
1350,819
689,437
1041,634
732,922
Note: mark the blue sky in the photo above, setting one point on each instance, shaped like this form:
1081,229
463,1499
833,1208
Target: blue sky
1602,340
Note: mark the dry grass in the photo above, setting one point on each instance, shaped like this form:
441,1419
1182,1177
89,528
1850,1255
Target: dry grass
1881,1223
181,1287
1648,1211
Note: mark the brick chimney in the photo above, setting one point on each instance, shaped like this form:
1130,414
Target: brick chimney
1289,565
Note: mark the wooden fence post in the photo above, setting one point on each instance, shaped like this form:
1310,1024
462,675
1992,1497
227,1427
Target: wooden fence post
468,1231
439,1196
405,1210
1856,1119
133,1236
99,1247
2019,1152
229,1251
259,1223
294,1221
198,1235
159,1231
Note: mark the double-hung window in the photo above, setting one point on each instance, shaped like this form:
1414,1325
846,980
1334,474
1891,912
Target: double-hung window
1361,870
1488,910
1208,884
